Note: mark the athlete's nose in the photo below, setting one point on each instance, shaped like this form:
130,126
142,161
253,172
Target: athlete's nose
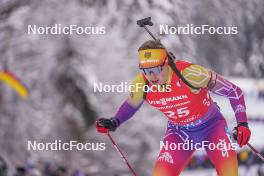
152,75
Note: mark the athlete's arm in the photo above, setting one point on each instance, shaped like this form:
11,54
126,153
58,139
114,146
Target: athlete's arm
223,87
133,102
201,77
127,109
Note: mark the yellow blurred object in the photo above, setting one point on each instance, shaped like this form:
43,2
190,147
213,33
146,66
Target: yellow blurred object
14,83
243,155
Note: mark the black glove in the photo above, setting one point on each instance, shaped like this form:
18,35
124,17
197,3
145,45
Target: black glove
110,124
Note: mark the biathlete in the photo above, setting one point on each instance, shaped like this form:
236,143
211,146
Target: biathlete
186,103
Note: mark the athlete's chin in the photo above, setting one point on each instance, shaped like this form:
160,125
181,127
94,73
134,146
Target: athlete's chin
157,82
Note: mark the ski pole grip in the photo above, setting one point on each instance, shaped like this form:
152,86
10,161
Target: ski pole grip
100,128
144,22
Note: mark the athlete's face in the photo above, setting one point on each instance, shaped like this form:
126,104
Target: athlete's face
157,75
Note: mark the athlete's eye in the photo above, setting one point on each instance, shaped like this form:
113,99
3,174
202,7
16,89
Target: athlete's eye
154,70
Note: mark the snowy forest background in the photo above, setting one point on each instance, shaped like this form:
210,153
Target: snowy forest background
60,70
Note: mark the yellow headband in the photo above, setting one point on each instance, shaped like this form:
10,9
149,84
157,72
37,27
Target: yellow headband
151,57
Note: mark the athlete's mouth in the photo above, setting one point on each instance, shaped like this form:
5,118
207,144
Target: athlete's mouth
155,81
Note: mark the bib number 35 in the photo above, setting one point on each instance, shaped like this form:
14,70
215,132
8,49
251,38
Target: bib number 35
181,112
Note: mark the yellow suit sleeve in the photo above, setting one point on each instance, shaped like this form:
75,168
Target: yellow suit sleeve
137,90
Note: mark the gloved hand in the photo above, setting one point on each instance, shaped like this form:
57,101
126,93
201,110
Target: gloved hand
104,125
242,133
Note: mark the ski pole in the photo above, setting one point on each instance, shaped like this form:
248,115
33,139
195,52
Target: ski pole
121,154
234,135
255,151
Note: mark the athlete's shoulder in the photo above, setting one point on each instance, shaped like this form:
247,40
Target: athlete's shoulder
137,89
182,64
139,78
197,75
